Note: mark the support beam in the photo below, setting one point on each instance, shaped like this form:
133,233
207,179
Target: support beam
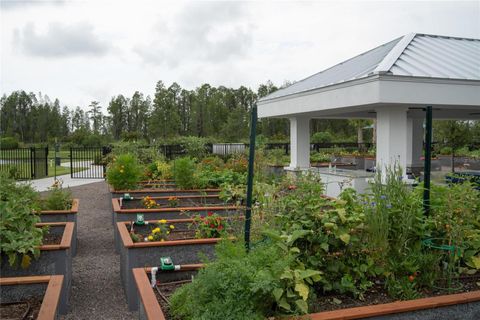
415,140
299,143
428,160
392,137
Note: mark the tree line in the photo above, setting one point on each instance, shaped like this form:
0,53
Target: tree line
218,113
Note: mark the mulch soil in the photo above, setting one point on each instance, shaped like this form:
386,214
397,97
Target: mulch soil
27,309
166,290
97,292
52,239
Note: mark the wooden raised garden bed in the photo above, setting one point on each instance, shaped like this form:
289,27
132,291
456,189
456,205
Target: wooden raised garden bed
181,201
64,216
156,192
120,215
39,297
445,307
149,307
141,254
55,259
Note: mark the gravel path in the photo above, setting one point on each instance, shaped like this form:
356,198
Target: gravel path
97,292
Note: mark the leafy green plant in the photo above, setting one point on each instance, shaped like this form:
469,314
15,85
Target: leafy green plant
210,226
124,172
57,198
184,173
158,170
265,282
19,237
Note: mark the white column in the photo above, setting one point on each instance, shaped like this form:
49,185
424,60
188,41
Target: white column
392,137
299,143
415,140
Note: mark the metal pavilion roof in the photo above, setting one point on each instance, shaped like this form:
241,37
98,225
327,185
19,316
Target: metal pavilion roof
413,55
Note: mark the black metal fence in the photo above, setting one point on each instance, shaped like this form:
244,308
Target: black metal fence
24,163
87,162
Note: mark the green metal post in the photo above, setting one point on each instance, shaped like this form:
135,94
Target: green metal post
251,158
428,160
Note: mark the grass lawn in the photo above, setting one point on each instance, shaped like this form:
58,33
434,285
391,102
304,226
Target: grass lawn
24,170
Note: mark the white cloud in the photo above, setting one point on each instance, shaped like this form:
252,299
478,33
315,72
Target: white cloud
61,40
117,47
203,31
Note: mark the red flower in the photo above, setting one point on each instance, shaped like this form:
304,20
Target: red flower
292,187
206,222
210,213
220,227
212,225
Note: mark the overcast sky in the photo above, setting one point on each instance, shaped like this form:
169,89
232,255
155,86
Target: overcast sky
79,51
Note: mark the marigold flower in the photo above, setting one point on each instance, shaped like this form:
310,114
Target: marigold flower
172,226
156,230
150,238
210,213
163,221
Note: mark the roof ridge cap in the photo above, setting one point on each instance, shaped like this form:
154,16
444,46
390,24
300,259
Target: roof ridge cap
389,60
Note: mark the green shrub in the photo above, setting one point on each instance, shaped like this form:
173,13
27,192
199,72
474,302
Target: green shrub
237,285
8,143
124,172
158,170
57,198
322,137
184,173
194,146
19,237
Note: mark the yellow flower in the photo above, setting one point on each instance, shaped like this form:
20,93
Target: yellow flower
121,170
162,240
150,238
172,226
156,230
163,221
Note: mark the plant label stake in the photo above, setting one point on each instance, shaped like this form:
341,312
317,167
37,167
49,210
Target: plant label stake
127,196
166,264
140,219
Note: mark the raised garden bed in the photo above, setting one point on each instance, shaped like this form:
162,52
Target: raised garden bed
141,254
120,215
151,306
180,201
55,259
36,297
444,307
64,216
155,192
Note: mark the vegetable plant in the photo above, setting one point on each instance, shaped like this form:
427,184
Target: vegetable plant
124,172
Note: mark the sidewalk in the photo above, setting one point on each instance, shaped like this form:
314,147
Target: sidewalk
45,183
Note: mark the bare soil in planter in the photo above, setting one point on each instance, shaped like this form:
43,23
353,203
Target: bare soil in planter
329,302
52,239
145,231
27,309
163,292
378,295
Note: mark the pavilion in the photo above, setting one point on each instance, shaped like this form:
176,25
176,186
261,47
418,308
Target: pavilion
392,83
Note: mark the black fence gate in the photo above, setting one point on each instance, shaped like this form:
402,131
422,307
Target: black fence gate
87,162
24,163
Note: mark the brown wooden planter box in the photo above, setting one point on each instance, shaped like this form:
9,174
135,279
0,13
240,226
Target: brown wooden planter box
120,215
14,289
183,201
55,259
64,216
161,192
149,308
143,254
446,307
